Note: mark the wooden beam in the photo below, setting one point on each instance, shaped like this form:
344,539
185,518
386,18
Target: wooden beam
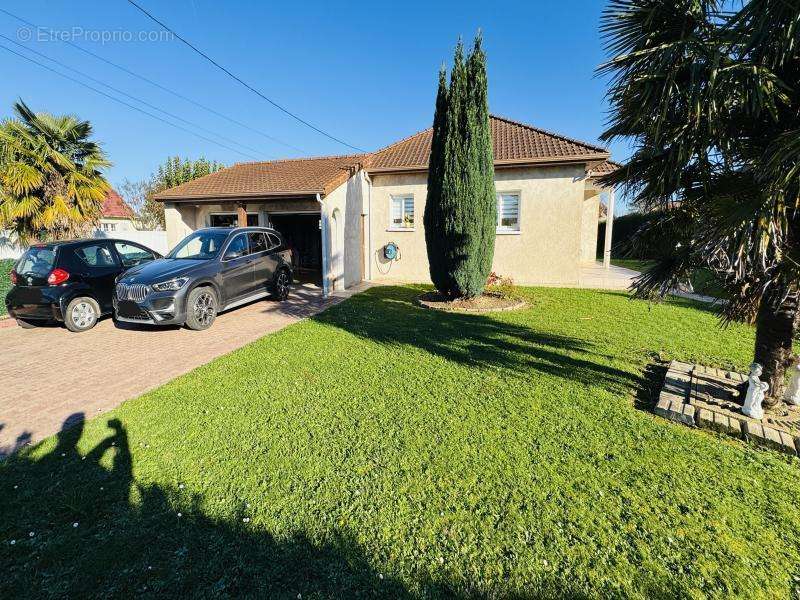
241,213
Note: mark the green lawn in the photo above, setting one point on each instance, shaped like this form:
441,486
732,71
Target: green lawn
385,450
5,282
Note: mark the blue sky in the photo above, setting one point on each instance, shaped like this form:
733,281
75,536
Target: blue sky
365,73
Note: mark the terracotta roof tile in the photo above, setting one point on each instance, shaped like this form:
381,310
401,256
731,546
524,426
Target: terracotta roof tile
608,166
299,176
513,143
114,207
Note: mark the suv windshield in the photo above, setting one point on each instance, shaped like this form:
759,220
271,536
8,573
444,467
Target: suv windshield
201,245
37,261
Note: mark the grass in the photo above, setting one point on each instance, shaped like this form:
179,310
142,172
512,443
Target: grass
386,450
5,281
703,282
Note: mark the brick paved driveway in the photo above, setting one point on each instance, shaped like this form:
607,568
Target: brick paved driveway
48,373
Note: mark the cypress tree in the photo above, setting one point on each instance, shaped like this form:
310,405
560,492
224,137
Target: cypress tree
460,212
432,216
481,198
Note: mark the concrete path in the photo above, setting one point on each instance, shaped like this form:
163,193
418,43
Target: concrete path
48,373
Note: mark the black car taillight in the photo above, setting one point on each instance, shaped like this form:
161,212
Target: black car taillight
57,277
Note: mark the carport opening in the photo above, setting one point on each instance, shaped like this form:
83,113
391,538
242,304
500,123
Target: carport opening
301,233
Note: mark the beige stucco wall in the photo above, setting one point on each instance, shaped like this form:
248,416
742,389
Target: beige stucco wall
180,220
591,212
546,251
343,207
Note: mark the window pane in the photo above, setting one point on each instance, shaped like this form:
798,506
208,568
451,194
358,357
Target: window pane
274,241
257,242
237,247
397,212
132,255
408,212
508,211
96,256
36,261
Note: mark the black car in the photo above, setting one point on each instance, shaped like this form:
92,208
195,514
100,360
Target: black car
71,281
209,271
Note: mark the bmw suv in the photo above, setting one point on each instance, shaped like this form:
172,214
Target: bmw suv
209,271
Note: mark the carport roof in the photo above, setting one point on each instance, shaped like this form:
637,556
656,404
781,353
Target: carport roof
290,177
514,144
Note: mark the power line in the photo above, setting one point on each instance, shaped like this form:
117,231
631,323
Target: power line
134,98
161,87
136,108
244,83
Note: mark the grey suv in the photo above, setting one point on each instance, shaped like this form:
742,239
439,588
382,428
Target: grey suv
209,271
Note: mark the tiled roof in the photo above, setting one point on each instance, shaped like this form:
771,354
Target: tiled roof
513,142
608,166
114,207
291,177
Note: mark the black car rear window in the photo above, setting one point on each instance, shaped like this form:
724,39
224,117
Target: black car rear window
37,261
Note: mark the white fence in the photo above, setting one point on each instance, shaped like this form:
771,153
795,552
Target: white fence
9,248
157,240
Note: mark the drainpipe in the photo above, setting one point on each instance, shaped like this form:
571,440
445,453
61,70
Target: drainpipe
369,226
323,217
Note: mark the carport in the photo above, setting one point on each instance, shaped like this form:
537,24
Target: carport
302,233
315,203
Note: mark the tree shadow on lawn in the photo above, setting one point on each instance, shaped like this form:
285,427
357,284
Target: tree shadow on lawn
389,315
71,526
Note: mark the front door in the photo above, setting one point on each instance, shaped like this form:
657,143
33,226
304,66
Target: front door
238,269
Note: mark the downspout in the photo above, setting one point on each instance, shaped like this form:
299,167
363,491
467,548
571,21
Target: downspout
323,219
369,226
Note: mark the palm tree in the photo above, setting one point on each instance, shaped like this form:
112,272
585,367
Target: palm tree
51,185
711,99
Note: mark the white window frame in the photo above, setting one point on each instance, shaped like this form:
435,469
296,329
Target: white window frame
402,198
508,230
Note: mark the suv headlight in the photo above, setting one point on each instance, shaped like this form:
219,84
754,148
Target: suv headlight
171,285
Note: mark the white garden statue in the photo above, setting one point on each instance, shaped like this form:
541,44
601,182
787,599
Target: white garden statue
756,389
793,390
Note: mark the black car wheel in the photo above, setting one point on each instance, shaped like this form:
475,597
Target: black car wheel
282,284
81,314
201,308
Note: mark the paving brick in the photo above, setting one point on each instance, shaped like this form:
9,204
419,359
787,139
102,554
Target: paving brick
704,418
48,373
680,367
662,408
769,437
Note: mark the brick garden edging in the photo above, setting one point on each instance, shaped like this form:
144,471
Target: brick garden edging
681,401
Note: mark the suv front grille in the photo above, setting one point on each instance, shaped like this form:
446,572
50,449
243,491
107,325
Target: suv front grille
136,292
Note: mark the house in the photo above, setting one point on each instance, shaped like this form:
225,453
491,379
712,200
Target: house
116,215
341,213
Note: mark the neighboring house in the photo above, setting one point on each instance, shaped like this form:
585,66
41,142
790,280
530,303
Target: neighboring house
119,221
116,215
339,213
